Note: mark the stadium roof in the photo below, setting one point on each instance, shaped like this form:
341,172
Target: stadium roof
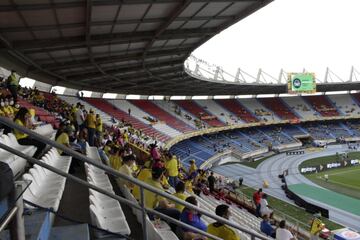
120,46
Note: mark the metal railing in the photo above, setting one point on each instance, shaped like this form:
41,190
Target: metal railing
142,186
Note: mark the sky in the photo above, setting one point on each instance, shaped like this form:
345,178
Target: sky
293,35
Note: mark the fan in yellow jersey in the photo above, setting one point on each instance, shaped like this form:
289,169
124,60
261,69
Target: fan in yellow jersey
91,126
221,230
180,193
99,127
172,170
22,119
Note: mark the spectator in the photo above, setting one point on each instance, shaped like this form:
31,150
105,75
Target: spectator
12,83
99,127
282,233
221,230
79,117
22,119
91,126
257,198
192,218
172,170
128,162
211,181
154,201
180,193
266,227
129,111
264,209
63,138
192,168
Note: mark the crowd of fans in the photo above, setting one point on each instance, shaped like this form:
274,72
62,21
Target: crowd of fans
161,170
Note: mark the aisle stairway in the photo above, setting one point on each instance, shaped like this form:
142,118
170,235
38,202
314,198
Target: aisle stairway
236,108
160,114
193,108
105,106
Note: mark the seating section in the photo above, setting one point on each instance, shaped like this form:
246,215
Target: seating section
105,106
200,113
105,212
236,108
217,110
279,108
161,115
16,163
40,112
46,187
345,104
322,105
258,110
301,107
106,118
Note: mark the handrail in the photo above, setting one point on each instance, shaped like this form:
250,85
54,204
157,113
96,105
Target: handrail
8,218
111,171
111,195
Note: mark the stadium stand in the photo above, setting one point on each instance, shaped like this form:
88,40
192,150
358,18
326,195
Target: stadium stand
279,108
200,113
301,107
236,108
161,115
345,104
257,109
215,109
322,105
119,115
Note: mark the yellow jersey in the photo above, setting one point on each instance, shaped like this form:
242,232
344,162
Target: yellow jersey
222,231
91,120
192,168
152,199
99,125
172,167
63,139
181,196
115,161
144,173
18,134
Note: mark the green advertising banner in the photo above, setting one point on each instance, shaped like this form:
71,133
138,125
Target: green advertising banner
301,83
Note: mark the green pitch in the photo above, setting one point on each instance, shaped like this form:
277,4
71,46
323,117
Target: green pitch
343,180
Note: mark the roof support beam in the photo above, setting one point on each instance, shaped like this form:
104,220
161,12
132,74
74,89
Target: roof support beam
116,38
44,6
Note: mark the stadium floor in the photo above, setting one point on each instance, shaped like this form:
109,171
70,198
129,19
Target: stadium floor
328,197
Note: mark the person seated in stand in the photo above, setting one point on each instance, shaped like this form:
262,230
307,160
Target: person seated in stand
22,119
221,230
156,202
180,193
128,162
282,233
64,138
192,168
192,218
266,227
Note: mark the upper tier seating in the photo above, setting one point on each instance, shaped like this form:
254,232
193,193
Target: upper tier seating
194,109
160,114
105,106
279,107
236,108
257,109
322,105
345,104
301,107
217,110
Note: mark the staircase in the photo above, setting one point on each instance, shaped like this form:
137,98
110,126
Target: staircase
279,108
322,105
161,115
200,113
105,106
236,108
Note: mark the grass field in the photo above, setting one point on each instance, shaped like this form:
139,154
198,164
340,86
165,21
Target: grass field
343,180
293,211
327,159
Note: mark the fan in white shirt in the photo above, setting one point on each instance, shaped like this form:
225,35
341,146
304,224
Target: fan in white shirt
282,233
